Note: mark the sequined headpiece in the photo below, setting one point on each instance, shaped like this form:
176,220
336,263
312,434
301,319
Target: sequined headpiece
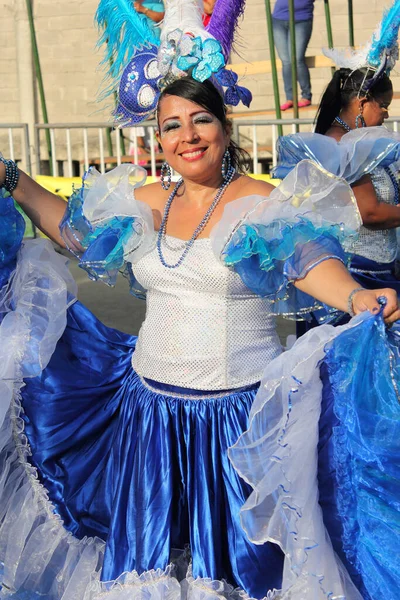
379,55
140,63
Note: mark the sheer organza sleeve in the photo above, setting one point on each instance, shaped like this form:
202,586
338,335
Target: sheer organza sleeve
274,241
358,153
106,227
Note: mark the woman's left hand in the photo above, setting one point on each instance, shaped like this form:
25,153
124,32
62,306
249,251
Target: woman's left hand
368,300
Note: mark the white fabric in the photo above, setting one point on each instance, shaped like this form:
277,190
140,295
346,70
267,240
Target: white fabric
308,190
278,457
112,194
203,328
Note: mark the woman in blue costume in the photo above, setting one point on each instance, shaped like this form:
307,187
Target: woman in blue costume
116,478
348,117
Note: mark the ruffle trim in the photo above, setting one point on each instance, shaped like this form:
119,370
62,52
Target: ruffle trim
105,227
285,252
366,449
280,464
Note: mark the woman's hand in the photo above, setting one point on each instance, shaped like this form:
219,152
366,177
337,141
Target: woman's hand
368,300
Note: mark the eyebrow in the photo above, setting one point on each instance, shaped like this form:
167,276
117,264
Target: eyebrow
197,112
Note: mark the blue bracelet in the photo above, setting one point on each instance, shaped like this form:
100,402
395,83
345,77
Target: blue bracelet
12,175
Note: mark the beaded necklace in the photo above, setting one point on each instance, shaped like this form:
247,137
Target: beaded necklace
342,123
162,231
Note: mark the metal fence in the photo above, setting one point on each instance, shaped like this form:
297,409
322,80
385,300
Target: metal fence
15,143
76,146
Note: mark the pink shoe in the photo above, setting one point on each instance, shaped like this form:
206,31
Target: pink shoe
303,102
287,105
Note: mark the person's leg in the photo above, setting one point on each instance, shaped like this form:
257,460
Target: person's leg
281,39
303,34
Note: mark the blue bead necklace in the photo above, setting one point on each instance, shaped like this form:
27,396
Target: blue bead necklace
162,231
342,123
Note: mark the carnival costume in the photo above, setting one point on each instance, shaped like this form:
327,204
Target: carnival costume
375,251
184,463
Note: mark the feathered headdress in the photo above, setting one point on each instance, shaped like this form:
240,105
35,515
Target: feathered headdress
140,63
380,54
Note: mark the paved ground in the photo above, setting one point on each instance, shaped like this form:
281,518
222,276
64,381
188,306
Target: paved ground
117,308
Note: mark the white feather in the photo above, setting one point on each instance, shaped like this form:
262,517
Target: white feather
348,58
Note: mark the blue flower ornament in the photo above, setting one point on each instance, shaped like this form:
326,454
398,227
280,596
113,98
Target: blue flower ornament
204,57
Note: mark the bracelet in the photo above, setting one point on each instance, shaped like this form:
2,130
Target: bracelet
12,175
350,300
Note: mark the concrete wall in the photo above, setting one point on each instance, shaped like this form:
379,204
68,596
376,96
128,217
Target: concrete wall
67,37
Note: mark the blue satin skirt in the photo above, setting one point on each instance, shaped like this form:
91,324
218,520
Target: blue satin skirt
145,470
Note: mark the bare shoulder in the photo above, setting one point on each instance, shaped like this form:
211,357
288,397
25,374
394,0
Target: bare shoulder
247,186
152,194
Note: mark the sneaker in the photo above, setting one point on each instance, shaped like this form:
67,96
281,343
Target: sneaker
303,102
287,105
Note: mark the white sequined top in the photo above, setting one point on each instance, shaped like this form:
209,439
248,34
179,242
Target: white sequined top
203,328
379,245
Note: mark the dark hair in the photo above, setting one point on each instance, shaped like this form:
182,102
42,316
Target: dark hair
205,94
343,87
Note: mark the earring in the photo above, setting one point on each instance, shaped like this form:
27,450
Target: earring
360,121
226,164
166,174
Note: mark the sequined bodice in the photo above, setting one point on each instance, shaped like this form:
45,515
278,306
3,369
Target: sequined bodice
379,245
203,328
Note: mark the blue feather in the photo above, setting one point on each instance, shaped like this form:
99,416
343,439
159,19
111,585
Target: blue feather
387,38
125,31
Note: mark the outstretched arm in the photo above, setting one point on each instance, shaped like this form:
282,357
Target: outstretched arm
43,208
331,283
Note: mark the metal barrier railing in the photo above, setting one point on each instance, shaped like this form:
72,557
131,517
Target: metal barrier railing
25,154
84,155
80,150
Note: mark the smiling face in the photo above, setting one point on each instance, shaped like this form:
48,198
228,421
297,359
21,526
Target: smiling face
193,139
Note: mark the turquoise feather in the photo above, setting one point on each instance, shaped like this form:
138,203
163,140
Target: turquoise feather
124,32
386,40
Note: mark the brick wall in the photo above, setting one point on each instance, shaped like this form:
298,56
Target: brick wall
67,37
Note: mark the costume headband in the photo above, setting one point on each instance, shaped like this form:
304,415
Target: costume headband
379,55
140,64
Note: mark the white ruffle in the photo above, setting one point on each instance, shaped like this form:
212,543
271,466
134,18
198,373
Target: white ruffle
277,456
112,194
308,191
37,554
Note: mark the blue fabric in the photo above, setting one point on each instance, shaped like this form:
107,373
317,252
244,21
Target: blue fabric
359,456
374,279
145,471
358,153
303,10
303,30
100,250
12,228
270,257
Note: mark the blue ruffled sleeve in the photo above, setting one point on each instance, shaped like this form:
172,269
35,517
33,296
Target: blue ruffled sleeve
12,228
358,153
106,227
273,241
